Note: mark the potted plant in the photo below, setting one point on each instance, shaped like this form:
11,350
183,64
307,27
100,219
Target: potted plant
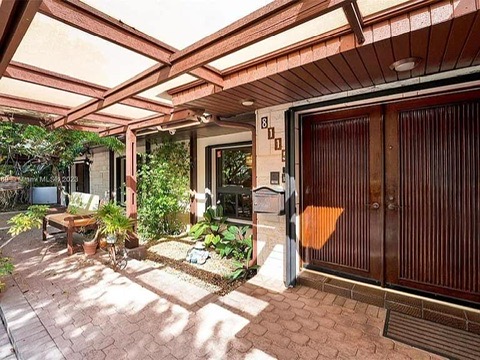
90,242
113,223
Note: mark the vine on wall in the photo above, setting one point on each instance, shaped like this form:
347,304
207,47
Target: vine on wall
163,189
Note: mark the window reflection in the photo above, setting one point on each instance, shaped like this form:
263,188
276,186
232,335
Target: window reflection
234,181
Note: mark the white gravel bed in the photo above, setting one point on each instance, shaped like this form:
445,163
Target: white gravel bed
177,250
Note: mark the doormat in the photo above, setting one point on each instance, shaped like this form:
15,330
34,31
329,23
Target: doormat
436,338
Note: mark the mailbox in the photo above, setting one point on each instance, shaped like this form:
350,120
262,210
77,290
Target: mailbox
269,200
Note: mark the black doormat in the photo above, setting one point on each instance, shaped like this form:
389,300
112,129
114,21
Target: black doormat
436,338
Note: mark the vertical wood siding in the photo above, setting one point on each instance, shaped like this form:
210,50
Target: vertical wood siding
338,193
439,195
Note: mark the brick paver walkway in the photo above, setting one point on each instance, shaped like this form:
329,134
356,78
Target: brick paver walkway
92,312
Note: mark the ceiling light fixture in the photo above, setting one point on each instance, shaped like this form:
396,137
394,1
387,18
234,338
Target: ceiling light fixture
248,102
406,64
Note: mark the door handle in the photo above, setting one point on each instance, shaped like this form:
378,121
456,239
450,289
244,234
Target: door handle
374,206
393,207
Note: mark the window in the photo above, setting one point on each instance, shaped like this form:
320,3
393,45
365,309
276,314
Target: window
233,181
121,179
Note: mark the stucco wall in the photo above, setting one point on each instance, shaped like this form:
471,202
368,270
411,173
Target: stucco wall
270,228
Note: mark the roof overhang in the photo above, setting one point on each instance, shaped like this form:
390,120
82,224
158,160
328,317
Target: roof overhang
348,55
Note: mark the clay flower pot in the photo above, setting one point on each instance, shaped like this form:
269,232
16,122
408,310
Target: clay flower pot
90,247
102,242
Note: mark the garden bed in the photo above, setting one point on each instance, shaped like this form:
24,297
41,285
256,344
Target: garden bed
171,253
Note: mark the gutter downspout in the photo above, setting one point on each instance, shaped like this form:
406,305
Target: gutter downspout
232,124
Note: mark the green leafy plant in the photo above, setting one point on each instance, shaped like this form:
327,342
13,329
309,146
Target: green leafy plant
32,218
6,268
243,270
112,220
48,152
235,242
72,209
163,189
211,227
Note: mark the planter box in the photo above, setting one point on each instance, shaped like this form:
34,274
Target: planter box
44,195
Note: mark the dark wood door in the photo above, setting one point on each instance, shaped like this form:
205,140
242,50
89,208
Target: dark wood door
432,209
82,171
342,226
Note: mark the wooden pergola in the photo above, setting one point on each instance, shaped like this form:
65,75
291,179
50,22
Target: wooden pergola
357,54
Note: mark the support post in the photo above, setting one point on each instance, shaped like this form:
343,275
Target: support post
193,177
131,182
290,275
111,175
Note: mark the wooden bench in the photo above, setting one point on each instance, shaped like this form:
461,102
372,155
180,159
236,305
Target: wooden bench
86,205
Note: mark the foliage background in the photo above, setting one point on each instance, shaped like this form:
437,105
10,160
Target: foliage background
37,156
163,189
52,150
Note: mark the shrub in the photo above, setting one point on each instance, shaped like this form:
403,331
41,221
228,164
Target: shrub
112,220
6,267
212,226
236,243
32,218
163,189
228,241
243,269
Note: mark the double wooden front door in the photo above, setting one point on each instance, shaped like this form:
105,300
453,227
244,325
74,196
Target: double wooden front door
392,195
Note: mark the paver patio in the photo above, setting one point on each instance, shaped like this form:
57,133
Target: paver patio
92,312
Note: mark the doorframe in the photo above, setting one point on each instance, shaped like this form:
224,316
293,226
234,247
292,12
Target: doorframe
293,137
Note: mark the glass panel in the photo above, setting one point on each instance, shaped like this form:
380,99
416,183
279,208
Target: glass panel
229,203
236,168
245,206
234,181
315,27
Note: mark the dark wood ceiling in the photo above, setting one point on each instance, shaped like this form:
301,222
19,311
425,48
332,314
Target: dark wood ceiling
447,45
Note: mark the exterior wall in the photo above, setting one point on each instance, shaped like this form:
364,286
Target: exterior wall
271,229
202,143
99,173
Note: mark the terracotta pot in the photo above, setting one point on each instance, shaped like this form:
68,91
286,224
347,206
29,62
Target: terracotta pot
102,242
90,247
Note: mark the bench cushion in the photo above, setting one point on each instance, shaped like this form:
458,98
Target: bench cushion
84,201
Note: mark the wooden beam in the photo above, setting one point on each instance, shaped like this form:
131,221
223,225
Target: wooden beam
145,80
131,182
96,129
88,19
155,120
6,11
287,16
193,176
195,93
58,81
31,120
255,17
22,119
309,51
49,108
83,17
32,105
265,24
354,17
20,17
